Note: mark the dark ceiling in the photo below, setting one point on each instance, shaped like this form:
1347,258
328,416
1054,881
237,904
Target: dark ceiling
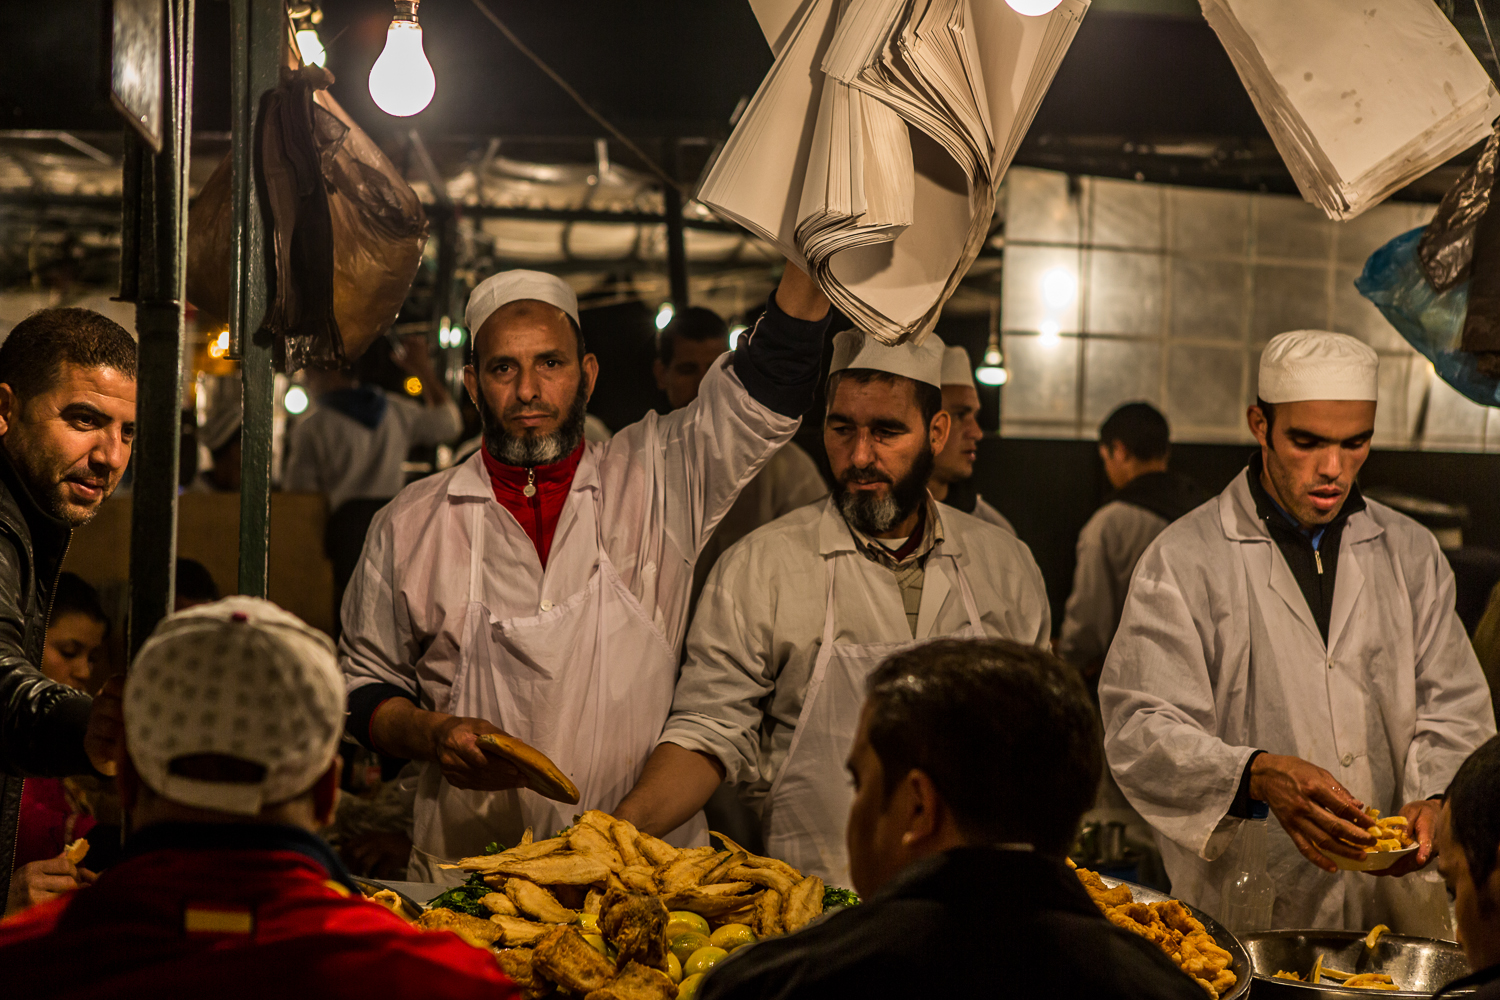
1139,94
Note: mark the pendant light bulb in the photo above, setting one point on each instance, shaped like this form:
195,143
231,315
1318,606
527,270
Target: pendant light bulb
401,81
1033,8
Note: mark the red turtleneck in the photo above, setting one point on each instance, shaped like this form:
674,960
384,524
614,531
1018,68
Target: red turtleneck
538,513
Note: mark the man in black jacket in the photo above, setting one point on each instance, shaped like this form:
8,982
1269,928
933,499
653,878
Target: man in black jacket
972,764
1468,843
67,422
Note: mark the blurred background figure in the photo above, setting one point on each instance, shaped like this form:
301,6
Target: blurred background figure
195,585
351,445
685,350
1134,444
1468,843
220,434
952,472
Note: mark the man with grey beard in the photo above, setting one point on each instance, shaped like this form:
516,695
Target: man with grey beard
540,589
796,616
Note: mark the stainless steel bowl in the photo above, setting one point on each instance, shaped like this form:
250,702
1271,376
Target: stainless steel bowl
1239,962
1419,966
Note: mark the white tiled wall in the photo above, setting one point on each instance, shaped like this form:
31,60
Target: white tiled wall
1115,291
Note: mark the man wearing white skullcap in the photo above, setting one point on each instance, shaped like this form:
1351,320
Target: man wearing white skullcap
954,466
796,616
1292,648
540,589
233,713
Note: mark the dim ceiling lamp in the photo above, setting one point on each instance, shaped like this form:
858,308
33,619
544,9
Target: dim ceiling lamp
305,20
401,81
991,370
1033,8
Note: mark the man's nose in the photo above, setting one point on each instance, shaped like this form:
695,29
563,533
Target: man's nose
864,450
111,450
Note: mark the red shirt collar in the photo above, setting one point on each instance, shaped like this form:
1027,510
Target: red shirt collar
508,481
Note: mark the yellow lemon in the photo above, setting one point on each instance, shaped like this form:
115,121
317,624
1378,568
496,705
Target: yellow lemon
689,988
674,968
684,945
597,941
732,936
588,923
682,921
703,959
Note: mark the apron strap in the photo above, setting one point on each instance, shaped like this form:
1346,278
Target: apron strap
476,552
971,607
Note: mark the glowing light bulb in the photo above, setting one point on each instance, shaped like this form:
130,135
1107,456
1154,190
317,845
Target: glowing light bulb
664,315
311,47
991,375
1033,8
401,81
1050,331
1058,287
413,386
296,400
220,345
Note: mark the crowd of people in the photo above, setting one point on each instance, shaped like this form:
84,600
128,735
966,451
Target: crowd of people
684,610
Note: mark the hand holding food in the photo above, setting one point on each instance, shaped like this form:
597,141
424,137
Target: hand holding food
1317,812
456,748
542,776
1421,828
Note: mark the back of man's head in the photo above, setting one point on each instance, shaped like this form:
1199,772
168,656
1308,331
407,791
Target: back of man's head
232,709
694,323
1141,428
1005,732
35,351
1473,801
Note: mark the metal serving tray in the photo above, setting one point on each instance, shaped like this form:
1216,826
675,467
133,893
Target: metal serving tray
1420,966
1239,962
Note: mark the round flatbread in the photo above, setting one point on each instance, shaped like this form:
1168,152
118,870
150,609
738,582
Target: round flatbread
542,776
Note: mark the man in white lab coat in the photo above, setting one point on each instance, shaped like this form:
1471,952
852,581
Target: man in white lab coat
1294,644
541,588
954,467
795,617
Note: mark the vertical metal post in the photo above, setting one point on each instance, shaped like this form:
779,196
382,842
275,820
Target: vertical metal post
155,217
257,34
677,269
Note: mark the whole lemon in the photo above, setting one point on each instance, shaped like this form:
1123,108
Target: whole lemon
689,988
674,968
597,942
682,921
732,936
703,959
683,945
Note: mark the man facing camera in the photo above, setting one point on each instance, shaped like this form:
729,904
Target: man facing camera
972,764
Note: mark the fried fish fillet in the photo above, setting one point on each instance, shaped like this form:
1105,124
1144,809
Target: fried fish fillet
593,902
489,863
598,819
624,834
636,925
803,903
517,932
564,957
713,907
636,982
770,878
517,964
586,839
564,868
639,878
499,902
656,851
759,861
537,903
682,873
1371,981
76,851
479,933
768,913
729,860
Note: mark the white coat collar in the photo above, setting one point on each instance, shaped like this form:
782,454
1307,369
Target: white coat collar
834,534
470,481
1241,523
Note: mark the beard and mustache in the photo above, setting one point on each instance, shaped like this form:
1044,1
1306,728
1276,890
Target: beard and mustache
875,514
530,450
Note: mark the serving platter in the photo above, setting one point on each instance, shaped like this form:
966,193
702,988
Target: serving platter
1239,962
1419,966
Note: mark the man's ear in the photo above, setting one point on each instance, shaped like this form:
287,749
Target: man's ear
942,425
923,808
471,384
10,408
1256,418
590,373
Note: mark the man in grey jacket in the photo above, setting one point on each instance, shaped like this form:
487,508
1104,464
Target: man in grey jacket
67,423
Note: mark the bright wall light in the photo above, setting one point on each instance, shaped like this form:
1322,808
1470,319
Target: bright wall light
295,400
1050,330
413,386
1033,8
401,81
311,47
1059,287
219,346
664,315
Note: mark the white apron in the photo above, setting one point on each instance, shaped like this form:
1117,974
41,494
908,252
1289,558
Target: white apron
808,804
588,683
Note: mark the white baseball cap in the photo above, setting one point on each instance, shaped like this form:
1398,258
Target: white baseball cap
956,367
921,362
242,678
512,286
1317,364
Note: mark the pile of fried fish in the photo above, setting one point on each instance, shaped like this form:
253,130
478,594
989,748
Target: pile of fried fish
1170,927
545,891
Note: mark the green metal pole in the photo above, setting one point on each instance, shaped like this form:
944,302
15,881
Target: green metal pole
258,31
156,219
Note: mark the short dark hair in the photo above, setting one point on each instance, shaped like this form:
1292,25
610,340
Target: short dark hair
1006,732
195,582
1474,808
75,595
1269,410
929,396
34,353
1141,428
694,323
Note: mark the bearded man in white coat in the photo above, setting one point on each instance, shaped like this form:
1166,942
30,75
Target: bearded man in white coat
1296,645
797,615
540,589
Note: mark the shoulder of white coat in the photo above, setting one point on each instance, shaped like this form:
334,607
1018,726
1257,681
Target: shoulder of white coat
1195,539
1401,531
791,537
418,502
976,533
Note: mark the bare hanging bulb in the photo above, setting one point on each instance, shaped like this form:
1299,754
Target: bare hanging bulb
401,81
1033,8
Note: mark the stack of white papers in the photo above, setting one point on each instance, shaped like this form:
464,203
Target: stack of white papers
871,153
1360,98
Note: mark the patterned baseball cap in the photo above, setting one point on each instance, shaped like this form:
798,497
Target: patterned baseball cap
240,678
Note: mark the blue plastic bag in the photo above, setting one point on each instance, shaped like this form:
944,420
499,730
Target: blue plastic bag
1431,321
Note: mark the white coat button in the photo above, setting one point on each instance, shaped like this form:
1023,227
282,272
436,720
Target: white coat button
547,605
1347,759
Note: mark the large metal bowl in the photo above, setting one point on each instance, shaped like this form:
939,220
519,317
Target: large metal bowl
1419,966
1239,962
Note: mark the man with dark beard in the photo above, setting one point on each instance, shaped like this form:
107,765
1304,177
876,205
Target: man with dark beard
67,423
795,617
540,589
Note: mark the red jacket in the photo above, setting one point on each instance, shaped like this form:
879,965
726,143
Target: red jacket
227,922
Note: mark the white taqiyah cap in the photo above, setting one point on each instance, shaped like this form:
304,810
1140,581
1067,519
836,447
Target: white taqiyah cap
1316,364
512,286
956,367
242,678
922,362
